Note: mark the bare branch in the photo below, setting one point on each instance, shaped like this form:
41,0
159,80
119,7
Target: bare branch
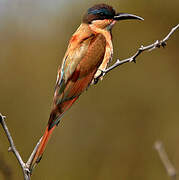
33,154
150,47
13,148
165,160
24,166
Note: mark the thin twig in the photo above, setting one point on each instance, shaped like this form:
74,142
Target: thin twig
33,154
13,148
156,44
165,160
24,166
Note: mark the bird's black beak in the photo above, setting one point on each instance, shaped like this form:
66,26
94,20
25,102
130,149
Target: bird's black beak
125,16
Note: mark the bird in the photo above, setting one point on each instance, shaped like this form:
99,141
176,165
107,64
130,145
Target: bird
89,51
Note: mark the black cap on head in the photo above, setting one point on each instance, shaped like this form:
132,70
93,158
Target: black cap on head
99,12
104,11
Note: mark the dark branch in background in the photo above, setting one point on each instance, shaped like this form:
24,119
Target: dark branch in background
25,166
150,47
165,160
5,168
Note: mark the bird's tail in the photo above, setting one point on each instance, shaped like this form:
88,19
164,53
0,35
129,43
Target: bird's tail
52,123
41,147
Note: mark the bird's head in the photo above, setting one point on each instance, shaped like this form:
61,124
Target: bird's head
104,16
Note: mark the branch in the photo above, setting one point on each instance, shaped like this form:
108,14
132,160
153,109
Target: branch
13,148
24,166
32,155
156,44
165,160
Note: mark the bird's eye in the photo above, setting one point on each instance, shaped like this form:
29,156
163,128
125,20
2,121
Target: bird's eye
101,13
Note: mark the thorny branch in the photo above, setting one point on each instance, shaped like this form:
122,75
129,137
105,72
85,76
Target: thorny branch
165,160
156,44
25,166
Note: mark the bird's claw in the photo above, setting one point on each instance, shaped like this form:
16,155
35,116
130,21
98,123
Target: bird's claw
161,43
95,81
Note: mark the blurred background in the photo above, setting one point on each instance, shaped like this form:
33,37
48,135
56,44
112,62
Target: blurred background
110,132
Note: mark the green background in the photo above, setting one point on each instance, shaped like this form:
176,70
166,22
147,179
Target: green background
110,132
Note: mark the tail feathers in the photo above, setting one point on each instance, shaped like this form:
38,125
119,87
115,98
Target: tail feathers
41,148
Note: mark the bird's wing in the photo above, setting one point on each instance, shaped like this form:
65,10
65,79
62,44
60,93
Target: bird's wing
79,60
76,73
74,54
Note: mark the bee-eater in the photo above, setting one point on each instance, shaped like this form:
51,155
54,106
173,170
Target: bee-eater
89,51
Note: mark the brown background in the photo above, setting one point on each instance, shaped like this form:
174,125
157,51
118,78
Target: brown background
109,133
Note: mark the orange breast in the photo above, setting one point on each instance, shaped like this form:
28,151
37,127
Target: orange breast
94,55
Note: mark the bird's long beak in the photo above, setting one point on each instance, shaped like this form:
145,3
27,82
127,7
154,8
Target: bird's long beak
125,16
